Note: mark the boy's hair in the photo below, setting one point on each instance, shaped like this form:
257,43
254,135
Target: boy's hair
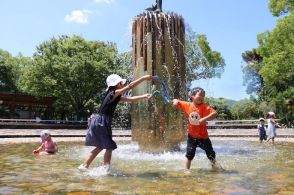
194,91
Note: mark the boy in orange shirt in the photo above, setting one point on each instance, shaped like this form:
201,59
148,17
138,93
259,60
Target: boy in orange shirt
197,113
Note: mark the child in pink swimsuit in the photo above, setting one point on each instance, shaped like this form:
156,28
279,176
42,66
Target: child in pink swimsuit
48,145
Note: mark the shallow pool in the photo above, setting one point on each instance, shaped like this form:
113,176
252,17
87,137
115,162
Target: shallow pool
249,168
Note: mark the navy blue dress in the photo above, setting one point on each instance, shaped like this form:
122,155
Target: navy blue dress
99,131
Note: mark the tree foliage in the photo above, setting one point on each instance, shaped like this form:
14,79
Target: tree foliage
252,77
280,7
277,50
245,109
201,61
71,69
223,107
11,70
273,74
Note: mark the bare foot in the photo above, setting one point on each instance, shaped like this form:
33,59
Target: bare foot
216,166
187,172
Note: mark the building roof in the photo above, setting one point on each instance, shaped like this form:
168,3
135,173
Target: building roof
8,99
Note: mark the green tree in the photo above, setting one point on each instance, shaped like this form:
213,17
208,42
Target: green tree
270,70
124,65
222,106
251,75
280,7
73,70
277,50
245,109
7,73
201,61
125,69
11,69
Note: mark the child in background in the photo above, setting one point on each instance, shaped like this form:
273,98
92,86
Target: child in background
197,113
47,144
271,125
261,130
100,132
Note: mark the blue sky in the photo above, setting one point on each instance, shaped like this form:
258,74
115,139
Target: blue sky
231,27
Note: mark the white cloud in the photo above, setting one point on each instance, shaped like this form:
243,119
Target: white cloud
105,1
78,16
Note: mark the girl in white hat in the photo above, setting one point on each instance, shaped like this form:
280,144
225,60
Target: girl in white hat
99,132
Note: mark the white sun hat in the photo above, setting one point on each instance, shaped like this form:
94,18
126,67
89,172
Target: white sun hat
271,113
45,133
113,79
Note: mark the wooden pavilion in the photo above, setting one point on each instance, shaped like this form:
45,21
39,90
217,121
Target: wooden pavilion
26,102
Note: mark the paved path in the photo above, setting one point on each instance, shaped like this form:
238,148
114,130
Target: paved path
33,135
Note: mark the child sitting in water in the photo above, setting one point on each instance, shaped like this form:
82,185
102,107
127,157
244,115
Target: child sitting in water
261,130
48,144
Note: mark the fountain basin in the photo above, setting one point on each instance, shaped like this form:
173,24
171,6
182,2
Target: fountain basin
249,168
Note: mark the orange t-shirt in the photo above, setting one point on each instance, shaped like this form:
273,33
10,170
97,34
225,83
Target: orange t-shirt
202,110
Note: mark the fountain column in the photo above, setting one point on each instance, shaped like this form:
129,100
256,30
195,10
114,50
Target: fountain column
158,49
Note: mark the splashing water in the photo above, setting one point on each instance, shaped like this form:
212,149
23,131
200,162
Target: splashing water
164,91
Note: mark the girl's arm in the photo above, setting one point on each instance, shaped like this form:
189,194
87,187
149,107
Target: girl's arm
275,123
38,149
135,98
131,85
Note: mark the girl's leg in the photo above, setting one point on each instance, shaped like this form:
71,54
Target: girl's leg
107,156
92,156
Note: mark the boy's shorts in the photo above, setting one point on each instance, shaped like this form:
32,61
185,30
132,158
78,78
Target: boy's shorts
204,144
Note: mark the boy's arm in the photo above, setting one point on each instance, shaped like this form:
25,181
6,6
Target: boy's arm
211,116
135,98
175,103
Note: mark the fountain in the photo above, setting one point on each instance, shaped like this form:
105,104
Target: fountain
158,49
249,167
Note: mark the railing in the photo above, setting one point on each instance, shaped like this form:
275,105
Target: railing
38,123
42,121
41,124
70,121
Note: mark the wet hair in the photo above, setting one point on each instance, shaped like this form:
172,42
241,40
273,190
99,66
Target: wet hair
194,91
